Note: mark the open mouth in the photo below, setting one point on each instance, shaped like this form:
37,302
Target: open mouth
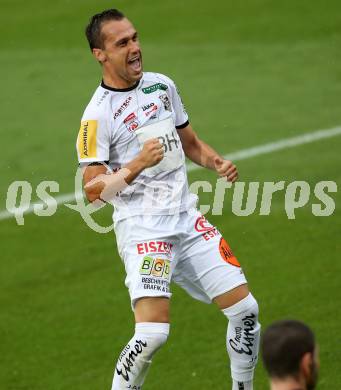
135,63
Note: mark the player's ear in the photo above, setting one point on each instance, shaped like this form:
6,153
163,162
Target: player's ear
306,364
98,54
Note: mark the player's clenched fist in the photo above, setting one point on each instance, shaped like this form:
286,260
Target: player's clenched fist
152,153
226,168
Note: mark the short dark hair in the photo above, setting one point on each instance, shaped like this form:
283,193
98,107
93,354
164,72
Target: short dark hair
283,345
93,29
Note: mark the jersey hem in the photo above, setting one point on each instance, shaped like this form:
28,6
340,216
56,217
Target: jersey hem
134,213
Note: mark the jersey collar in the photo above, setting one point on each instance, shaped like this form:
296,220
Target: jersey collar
103,85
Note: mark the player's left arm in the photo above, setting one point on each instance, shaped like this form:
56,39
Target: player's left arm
196,149
202,154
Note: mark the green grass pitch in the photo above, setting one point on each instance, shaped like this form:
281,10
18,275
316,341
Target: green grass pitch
250,73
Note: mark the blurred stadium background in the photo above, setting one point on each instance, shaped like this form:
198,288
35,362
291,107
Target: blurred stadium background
250,73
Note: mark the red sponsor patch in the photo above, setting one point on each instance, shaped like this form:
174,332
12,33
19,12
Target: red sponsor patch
202,225
226,253
131,122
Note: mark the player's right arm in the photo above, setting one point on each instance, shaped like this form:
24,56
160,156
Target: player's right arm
93,149
98,184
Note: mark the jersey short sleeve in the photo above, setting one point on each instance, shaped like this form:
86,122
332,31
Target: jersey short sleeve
93,142
181,116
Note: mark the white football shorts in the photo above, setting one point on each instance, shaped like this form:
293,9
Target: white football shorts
185,248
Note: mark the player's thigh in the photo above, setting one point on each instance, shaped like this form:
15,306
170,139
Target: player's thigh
231,297
208,264
152,309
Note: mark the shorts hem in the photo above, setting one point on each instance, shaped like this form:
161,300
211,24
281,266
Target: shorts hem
146,295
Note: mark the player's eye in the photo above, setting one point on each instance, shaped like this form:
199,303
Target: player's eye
122,43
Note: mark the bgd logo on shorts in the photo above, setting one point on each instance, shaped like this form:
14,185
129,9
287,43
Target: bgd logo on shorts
157,267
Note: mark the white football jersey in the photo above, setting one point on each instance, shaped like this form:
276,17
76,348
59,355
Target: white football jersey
114,127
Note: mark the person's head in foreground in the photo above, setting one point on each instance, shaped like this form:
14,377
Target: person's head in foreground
290,356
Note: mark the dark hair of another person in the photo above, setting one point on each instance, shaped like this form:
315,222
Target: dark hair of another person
93,29
283,345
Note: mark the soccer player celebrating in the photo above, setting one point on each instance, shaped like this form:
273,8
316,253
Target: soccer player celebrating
136,128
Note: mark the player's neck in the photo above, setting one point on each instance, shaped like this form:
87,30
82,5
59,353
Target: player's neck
287,384
114,81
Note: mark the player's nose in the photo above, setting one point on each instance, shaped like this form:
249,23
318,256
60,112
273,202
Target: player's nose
135,46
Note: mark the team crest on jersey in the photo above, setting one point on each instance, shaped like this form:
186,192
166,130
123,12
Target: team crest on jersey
131,122
166,103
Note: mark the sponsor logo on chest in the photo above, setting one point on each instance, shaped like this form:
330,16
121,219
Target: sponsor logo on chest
147,106
154,88
149,109
131,122
123,106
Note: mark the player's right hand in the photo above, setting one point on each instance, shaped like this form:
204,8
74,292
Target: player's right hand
152,153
